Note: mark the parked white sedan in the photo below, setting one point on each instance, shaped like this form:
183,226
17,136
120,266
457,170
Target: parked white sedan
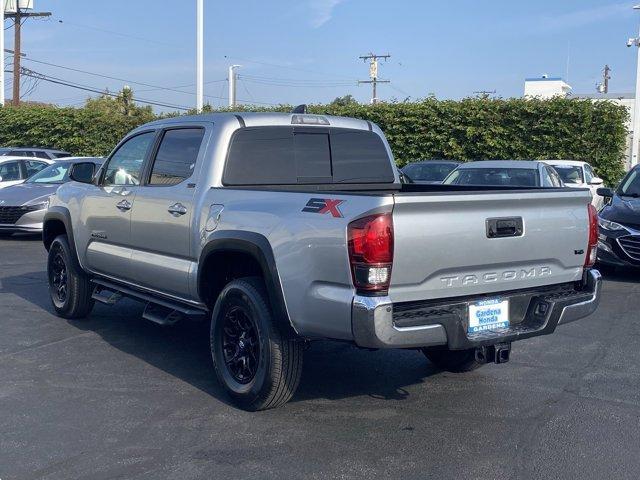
15,170
579,174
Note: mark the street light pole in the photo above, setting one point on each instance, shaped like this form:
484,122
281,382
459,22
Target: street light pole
199,55
635,140
232,85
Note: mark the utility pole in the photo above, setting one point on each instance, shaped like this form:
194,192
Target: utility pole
2,81
605,78
199,55
233,77
604,86
373,73
18,16
636,106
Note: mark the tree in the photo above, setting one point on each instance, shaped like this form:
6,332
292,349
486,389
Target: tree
344,101
121,104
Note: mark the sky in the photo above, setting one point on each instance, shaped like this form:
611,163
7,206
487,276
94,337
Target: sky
306,51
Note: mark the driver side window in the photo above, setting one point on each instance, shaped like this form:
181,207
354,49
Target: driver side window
125,166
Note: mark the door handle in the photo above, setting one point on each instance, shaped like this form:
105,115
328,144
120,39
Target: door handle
177,209
124,205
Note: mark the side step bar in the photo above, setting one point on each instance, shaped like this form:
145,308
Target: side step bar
159,310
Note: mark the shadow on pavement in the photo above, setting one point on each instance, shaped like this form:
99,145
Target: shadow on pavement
620,275
332,370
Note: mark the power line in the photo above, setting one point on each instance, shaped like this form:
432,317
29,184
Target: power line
112,32
134,82
288,67
59,81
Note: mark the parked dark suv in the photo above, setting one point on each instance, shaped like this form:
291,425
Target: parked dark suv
619,219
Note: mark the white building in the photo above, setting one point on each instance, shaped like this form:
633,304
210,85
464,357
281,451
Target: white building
546,87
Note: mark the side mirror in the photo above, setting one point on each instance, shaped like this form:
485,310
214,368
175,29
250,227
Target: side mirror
605,192
0,179
596,181
83,172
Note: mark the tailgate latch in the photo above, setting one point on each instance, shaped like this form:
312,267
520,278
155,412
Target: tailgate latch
505,227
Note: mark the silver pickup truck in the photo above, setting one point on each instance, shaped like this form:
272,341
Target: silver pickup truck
284,228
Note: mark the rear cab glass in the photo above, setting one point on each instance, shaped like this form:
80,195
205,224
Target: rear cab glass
285,155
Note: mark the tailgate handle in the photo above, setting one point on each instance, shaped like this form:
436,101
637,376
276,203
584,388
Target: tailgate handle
504,227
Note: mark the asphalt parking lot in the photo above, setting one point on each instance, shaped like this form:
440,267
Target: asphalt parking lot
119,397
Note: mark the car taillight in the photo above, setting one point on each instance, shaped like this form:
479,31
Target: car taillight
592,248
370,242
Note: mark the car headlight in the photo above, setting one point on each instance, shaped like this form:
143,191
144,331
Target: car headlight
609,225
39,206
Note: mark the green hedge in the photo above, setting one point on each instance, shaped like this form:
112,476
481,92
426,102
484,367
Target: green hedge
80,131
469,129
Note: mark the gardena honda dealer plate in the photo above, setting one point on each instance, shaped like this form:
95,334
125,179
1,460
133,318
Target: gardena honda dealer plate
492,314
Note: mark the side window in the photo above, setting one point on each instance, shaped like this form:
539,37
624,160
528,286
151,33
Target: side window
41,155
10,171
588,173
125,165
176,157
546,178
33,167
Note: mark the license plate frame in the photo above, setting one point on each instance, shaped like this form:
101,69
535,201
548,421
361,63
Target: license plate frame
488,315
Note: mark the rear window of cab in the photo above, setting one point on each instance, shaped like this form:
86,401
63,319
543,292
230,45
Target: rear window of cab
283,155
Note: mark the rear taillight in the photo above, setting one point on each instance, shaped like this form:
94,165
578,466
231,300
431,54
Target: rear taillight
592,248
371,252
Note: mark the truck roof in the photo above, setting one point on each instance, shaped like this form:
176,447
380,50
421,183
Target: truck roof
254,119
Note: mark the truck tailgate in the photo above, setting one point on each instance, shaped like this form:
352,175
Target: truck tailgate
442,246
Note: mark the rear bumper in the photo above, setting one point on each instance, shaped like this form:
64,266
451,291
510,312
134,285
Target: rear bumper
378,323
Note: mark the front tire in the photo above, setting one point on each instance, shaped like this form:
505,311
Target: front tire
457,361
69,286
256,362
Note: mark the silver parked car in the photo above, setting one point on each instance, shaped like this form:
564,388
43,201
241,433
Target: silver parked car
35,152
22,207
505,173
429,171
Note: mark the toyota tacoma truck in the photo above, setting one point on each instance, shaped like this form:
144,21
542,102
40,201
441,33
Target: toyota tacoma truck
285,228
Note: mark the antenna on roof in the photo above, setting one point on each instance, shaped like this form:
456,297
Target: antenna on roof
300,109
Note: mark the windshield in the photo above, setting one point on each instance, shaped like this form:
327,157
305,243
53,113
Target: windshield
56,174
497,177
429,172
570,173
630,186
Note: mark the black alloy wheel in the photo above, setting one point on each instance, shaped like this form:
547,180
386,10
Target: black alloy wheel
240,344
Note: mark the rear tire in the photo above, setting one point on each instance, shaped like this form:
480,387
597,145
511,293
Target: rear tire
457,361
256,362
69,287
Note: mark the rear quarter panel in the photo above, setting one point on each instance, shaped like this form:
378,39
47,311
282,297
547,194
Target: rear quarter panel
310,250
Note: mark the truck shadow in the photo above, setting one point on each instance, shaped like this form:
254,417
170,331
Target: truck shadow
332,370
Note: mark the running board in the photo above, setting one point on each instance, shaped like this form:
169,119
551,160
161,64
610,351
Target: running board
158,310
161,315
